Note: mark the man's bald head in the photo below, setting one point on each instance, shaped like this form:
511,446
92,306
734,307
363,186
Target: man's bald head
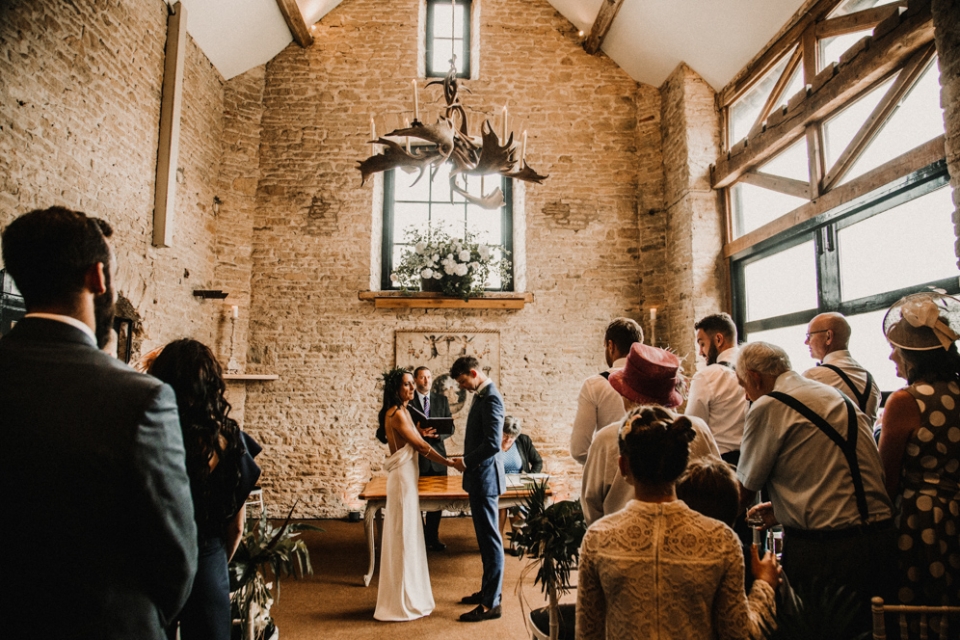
826,333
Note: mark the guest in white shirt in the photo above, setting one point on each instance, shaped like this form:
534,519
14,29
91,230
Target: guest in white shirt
715,394
598,404
828,337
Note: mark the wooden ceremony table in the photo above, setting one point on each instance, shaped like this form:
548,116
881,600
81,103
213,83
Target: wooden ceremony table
437,493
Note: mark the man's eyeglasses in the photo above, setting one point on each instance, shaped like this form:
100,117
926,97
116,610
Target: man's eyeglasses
810,333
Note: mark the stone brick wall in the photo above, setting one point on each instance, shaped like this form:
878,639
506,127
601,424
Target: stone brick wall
695,283
585,128
946,21
79,118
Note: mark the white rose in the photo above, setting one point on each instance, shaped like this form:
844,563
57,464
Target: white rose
484,251
475,265
437,275
394,278
426,274
449,268
435,257
464,256
449,256
421,247
461,269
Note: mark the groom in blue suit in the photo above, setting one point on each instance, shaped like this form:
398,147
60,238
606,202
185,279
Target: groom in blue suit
484,481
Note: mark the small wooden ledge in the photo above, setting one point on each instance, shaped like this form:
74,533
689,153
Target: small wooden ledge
251,377
420,300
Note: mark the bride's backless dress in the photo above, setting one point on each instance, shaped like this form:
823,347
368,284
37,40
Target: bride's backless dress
404,591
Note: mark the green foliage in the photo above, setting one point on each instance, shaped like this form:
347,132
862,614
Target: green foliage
823,613
461,266
265,545
551,536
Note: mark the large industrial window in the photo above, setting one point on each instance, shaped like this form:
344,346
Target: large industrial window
429,203
448,35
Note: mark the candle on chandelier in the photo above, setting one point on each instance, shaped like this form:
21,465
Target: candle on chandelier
373,136
236,311
504,136
523,146
416,101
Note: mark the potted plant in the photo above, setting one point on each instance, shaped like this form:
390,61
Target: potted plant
551,536
261,546
454,266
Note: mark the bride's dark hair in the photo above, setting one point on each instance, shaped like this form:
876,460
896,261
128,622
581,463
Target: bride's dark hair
392,382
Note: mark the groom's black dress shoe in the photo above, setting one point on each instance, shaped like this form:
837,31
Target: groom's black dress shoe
476,598
436,546
479,615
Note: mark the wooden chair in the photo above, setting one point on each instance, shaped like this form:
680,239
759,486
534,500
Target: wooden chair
924,613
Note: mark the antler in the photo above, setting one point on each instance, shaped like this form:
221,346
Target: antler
394,156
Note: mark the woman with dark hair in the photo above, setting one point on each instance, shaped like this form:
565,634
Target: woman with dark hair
222,474
920,446
658,569
404,592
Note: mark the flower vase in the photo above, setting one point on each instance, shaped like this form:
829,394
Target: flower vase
431,284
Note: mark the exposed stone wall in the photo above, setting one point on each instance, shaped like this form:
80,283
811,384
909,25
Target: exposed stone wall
696,280
79,118
946,21
312,234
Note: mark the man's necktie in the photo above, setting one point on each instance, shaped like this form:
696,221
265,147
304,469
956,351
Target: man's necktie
426,406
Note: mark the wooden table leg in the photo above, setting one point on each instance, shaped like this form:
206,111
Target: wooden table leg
369,526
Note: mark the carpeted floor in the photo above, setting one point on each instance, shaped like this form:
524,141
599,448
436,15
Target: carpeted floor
333,603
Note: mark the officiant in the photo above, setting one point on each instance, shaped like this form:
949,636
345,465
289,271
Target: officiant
432,405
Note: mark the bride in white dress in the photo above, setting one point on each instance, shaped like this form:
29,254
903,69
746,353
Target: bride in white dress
404,591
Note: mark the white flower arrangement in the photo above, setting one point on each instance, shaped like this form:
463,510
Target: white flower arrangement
437,261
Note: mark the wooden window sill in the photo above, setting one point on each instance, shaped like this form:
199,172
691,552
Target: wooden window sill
420,300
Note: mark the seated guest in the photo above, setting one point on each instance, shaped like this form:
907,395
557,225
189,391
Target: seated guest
808,446
658,569
519,456
920,447
650,376
222,473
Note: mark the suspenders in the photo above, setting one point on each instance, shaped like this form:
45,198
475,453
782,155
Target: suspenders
862,398
605,374
848,446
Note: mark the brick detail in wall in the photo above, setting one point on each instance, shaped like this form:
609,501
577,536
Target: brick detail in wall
946,22
79,119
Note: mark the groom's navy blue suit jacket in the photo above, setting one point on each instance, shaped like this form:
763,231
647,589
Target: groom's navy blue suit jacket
481,444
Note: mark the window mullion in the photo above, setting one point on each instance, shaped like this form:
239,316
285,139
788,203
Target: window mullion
828,268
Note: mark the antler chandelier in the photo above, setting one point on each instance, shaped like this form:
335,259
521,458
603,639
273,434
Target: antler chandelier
449,140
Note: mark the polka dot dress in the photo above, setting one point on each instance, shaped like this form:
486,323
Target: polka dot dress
930,499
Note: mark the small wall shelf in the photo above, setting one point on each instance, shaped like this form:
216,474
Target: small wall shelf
420,300
251,377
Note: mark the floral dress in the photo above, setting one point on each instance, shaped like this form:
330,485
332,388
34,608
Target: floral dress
930,499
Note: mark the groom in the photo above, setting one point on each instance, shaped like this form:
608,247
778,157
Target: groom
484,481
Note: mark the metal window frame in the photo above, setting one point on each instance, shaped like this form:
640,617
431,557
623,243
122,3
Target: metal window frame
463,57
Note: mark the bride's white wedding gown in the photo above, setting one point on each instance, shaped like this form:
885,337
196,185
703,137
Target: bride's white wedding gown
404,591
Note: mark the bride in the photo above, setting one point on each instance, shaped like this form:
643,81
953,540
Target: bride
404,591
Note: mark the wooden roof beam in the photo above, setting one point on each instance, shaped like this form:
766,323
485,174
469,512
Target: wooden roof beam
873,60
608,11
295,22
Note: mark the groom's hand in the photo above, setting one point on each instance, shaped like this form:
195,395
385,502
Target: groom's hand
458,465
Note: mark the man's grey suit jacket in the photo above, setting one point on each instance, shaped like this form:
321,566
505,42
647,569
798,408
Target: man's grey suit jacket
99,526
481,444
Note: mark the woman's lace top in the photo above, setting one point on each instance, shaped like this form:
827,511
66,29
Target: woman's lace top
663,572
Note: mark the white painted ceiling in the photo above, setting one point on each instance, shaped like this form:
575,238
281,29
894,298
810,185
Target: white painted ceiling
648,39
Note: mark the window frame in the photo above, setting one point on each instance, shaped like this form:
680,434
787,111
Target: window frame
463,57
388,243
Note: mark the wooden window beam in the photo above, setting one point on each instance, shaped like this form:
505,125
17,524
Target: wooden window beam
601,26
295,22
881,58
778,88
782,184
171,105
848,195
884,109
764,61
859,21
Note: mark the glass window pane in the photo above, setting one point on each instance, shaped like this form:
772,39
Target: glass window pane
790,339
852,6
406,215
832,48
458,22
404,189
918,118
870,348
484,223
839,130
907,245
782,283
744,112
442,20
442,52
755,206
790,163
449,216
